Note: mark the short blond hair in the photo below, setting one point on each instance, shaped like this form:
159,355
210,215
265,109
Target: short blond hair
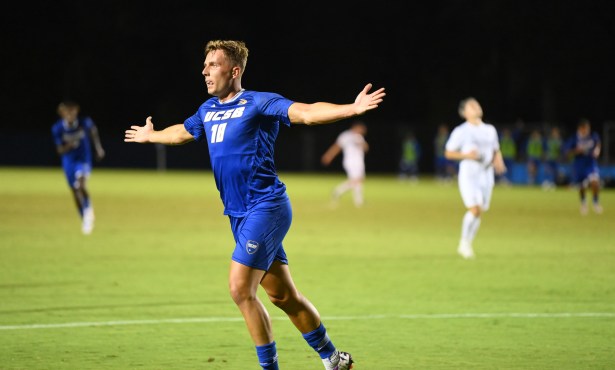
235,51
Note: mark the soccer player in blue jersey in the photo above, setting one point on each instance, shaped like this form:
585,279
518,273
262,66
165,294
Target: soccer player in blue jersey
585,147
72,135
240,127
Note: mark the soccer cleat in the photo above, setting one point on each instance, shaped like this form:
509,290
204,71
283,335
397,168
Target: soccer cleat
583,209
338,361
87,225
346,361
465,250
598,209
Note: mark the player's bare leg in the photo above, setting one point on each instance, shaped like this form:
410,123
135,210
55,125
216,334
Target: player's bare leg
78,197
469,227
283,293
595,185
340,190
243,283
583,209
85,207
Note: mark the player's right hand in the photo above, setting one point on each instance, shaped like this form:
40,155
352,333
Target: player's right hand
140,134
473,155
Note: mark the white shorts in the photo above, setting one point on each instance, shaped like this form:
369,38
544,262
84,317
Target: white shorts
355,171
476,188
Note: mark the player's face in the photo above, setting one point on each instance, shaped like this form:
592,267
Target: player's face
472,110
69,114
583,130
218,73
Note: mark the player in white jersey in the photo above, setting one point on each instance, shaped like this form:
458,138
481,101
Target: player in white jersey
353,146
475,144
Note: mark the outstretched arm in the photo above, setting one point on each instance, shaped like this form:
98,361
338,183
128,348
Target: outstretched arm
172,135
321,113
330,154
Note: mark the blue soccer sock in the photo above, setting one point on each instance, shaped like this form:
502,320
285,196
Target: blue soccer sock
267,356
86,203
319,340
596,200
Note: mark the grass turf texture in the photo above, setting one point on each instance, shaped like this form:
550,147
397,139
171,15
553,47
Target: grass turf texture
161,250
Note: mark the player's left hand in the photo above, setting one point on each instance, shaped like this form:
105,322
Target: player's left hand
100,154
499,167
367,101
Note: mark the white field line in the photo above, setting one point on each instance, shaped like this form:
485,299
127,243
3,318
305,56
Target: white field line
440,316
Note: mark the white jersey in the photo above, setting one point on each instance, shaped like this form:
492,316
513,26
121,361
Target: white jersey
468,137
353,147
475,177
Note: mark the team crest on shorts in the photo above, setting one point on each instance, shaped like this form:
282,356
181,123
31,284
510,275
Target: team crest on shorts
251,246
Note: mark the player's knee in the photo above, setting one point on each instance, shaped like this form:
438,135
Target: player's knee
284,299
476,211
241,293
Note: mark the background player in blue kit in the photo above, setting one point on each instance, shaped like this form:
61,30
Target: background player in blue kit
72,134
585,147
240,128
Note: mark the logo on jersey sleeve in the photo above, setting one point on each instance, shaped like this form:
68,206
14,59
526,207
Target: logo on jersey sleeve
242,101
251,246
224,114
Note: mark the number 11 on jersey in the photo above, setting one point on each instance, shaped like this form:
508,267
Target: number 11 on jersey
217,133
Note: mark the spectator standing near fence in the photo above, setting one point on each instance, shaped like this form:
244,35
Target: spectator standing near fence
553,158
535,155
508,147
409,163
445,169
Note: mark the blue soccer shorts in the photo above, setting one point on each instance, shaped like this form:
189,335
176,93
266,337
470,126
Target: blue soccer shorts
586,174
259,234
76,170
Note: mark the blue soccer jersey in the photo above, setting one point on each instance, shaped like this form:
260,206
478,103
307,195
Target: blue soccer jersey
241,135
78,135
585,164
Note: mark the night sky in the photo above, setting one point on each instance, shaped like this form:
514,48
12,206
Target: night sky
536,61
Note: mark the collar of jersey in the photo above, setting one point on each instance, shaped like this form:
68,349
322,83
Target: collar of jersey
233,99
480,124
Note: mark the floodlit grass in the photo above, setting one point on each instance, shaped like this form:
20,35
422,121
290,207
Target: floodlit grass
161,250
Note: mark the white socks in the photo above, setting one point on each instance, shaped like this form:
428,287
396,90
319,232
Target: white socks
469,227
357,195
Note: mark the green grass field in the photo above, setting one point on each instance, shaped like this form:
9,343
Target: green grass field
152,278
